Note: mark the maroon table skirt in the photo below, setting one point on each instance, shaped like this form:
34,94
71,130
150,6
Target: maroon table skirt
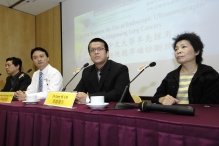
39,125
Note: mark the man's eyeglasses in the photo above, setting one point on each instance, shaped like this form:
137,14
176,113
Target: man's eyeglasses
8,65
92,50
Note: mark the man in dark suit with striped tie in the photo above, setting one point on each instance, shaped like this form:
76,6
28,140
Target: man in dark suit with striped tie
104,78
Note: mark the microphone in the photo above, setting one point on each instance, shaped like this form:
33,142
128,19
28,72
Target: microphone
180,110
0,74
22,75
121,105
76,72
29,71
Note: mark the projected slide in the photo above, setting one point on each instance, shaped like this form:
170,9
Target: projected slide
141,30
138,32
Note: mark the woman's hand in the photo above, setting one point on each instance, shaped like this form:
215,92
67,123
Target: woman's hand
168,100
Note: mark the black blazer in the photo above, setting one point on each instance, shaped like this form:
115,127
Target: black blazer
203,89
114,78
20,83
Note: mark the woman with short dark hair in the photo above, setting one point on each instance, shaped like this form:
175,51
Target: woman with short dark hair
192,82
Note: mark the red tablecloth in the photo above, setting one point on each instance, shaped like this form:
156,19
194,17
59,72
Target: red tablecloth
39,125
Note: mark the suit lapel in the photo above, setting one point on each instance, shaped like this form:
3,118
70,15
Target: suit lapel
93,78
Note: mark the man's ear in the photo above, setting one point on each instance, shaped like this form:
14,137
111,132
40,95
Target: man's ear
18,66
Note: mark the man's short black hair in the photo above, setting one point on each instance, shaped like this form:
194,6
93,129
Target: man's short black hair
38,49
98,40
15,61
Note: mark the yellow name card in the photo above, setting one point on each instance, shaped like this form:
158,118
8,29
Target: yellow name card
60,99
6,97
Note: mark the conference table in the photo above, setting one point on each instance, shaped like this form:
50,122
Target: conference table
41,125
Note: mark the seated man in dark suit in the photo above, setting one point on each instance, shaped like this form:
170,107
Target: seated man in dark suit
104,78
16,80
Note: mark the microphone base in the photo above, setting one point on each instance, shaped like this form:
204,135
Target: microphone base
120,105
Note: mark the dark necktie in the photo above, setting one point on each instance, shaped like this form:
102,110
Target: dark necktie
12,81
98,75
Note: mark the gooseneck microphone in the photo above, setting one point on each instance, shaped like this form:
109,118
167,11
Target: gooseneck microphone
85,65
121,105
180,110
22,75
29,71
152,64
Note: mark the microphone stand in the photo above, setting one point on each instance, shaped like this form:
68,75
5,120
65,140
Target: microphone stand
121,105
70,81
85,65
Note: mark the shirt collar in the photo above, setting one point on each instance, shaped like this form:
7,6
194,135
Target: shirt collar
45,70
101,67
16,75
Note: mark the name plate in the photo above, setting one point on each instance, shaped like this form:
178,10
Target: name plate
60,99
6,97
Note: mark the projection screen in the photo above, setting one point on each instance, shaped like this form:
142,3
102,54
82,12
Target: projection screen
138,32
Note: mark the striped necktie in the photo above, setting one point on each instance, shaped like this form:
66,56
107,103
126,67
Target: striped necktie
40,82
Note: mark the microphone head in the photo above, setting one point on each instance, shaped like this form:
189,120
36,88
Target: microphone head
22,75
86,64
0,74
29,70
152,64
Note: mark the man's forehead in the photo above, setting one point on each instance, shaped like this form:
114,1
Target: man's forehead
36,53
93,44
9,61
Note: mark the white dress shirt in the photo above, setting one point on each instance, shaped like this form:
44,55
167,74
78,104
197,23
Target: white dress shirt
52,81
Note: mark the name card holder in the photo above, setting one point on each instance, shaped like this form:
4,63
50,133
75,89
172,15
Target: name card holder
6,97
60,99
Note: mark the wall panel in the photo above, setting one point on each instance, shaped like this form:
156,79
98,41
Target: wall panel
48,34
17,38
21,32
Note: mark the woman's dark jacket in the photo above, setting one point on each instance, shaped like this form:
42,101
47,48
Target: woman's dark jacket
203,89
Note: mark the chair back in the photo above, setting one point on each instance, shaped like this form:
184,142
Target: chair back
136,98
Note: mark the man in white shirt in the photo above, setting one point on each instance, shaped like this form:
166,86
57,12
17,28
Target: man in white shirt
49,80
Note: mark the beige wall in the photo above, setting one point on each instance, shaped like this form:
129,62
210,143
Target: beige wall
20,32
17,38
48,35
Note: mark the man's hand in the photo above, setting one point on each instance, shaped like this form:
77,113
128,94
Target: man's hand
20,95
81,98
